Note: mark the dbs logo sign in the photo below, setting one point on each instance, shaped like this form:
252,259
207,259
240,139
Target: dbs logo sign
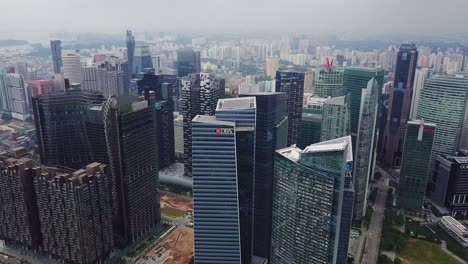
223,131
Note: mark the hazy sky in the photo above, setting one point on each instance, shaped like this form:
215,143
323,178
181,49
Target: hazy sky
310,16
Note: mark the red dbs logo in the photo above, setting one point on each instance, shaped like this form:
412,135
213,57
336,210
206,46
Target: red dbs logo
218,131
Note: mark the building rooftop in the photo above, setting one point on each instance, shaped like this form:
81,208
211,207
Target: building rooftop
333,145
340,100
236,103
418,122
211,120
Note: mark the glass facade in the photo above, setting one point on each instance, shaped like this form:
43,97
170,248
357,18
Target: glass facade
188,61
311,127
336,118
415,164
312,203
292,84
399,105
444,102
328,81
56,51
223,173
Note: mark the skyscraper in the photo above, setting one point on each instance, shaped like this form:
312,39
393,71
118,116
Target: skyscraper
75,214
111,77
71,66
271,66
130,54
450,188
444,102
188,61
60,121
131,133
56,50
419,79
365,146
160,92
311,127
292,84
4,100
328,80
415,164
271,134
89,79
17,96
312,203
142,59
39,87
336,118
19,219
200,94
399,105
224,158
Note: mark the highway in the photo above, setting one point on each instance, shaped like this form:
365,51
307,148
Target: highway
371,251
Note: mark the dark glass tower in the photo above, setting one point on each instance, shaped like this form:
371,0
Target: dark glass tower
415,164
188,61
292,84
271,134
200,95
56,49
399,106
159,90
62,128
130,54
142,59
131,135
311,127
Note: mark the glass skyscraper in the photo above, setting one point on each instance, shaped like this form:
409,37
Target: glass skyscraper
336,118
328,81
142,59
188,61
292,84
444,102
312,203
223,176
200,94
415,164
311,127
56,51
271,134
399,106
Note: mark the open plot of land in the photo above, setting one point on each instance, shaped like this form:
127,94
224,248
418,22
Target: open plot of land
177,247
172,212
175,201
423,252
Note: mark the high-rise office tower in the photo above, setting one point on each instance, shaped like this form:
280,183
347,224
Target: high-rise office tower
130,54
419,79
399,105
200,94
336,118
160,91
223,159
365,146
17,96
312,203
111,77
19,219
444,103
188,61
450,188
328,80
22,69
142,59
71,66
39,87
309,80
271,134
75,214
4,100
272,66
415,164
89,79
131,136
292,84
311,127
56,50
61,129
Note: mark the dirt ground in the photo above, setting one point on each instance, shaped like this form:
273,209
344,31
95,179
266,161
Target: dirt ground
171,200
180,245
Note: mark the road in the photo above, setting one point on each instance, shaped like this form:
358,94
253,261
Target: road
371,251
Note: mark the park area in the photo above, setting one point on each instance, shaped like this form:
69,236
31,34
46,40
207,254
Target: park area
424,252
